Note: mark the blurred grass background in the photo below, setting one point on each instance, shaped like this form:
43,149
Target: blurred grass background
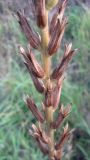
15,118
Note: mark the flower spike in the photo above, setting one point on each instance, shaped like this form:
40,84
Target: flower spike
47,82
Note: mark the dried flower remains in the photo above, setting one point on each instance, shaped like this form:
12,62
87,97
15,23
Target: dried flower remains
46,80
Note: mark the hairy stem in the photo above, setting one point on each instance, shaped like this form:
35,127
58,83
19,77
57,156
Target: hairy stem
47,67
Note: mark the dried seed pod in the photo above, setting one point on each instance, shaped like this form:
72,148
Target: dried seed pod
56,37
61,116
61,9
53,23
58,121
37,66
43,147
31,36
32,106
63,139
58,15
32,64
40,13
60,69
57,93
38,84
39,133
36,134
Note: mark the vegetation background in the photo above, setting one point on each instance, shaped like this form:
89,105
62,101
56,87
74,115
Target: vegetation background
15,118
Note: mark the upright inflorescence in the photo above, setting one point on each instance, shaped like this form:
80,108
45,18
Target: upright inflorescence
48,82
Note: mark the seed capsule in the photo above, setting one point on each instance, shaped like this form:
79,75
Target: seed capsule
40,13
61,116
32,64
31,36
37,82
43,147
56,37
36,133
32,106
58,15
64,138
60,69
58,121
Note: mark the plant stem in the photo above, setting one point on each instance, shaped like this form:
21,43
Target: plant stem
45,58
47,68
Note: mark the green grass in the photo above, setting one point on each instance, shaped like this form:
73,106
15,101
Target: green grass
15,118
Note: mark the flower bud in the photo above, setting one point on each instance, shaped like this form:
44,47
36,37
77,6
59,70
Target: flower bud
64,138
60,69
32,106
38,84
53,23
58,121
61,116
43,147
37,135
58,15
32,64
31,36
40,13
56,37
